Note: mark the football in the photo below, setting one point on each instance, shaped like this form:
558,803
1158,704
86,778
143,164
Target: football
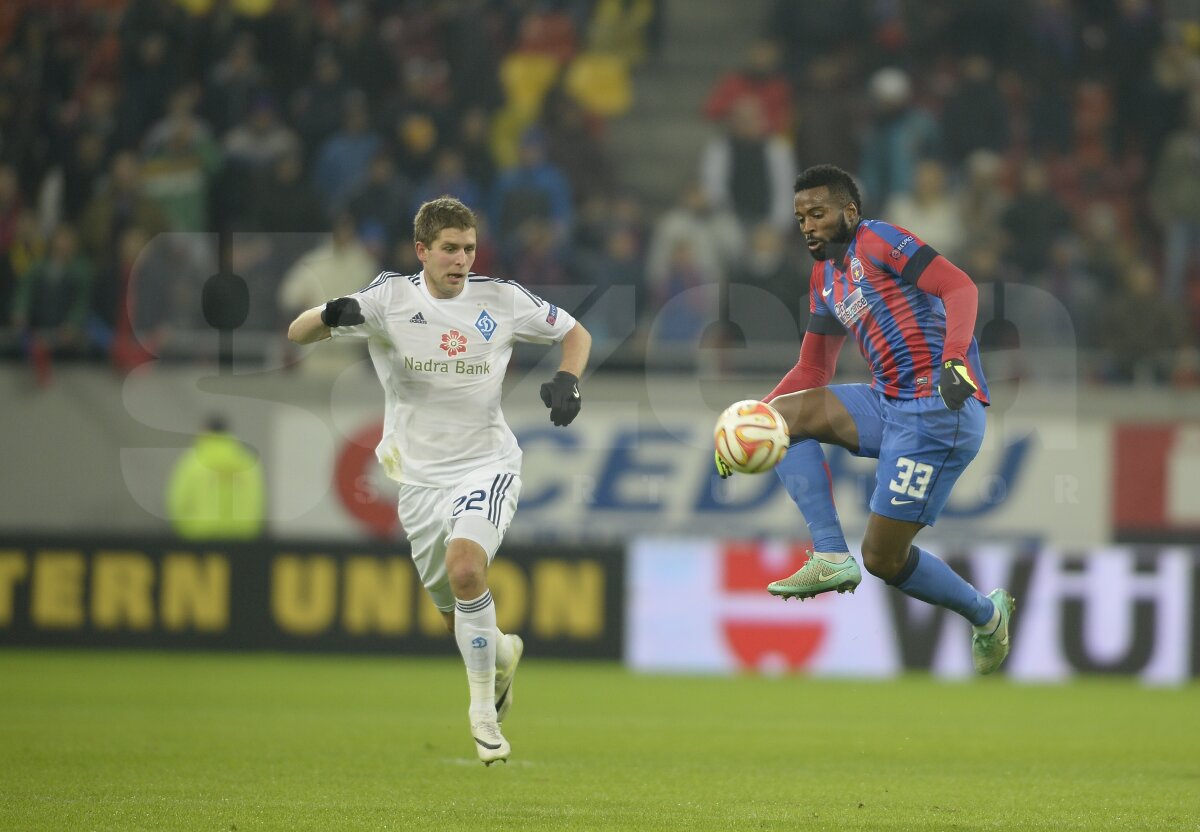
751,437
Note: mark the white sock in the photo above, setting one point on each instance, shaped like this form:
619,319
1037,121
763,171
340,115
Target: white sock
504,650
832,557
992,623
475,631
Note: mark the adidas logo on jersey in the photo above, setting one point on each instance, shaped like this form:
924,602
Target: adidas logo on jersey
417,319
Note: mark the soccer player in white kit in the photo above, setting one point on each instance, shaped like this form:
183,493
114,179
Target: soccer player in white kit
440,341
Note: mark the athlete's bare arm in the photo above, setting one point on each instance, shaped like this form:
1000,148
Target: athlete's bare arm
576,345
307,328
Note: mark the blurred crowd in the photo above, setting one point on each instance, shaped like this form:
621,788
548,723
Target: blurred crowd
1050,148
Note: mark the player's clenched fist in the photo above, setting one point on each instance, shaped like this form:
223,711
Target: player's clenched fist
342,312
562,397
955,384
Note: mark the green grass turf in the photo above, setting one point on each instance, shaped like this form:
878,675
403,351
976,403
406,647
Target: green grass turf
133,741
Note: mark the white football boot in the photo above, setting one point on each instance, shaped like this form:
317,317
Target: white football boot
490,744
504,678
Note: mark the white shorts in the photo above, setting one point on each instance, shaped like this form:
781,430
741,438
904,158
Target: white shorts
479,509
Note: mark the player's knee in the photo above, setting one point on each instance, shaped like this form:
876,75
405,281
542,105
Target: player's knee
881,562
465,576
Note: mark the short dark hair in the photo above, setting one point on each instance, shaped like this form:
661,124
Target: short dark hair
839,183
440,213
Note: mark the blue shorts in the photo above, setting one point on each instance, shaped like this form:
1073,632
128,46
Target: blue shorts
922,447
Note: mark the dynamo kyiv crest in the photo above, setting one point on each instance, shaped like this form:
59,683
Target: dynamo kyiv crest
486,325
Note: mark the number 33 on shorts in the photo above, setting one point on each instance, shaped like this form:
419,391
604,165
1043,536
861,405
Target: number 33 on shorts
912,478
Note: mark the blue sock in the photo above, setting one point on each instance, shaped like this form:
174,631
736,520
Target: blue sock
805,475
927,578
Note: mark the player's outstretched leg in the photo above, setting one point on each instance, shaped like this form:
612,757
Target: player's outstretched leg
475,631
990,642
822,572
805,475
508,656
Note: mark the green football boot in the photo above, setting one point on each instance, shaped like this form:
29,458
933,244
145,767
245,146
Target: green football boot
989,650
818,575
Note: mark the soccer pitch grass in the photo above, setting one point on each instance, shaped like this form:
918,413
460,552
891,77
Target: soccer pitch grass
141,741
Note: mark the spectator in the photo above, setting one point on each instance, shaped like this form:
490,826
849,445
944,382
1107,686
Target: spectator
217,488
899,136
178,172
813,29
51,303
619,268
761,78
474,144
26,248
335,268
68,186
830,95
769,265
368,66
285,201
627,29
533,190
748,171
975,116
381,205
931,208
690,295
318,107
1034,219
573,146
118,204
1065,277
1138,352
345,157
982,198
475,61
234,84
258,142
150,72
712,237
12,205
449,177
1175,197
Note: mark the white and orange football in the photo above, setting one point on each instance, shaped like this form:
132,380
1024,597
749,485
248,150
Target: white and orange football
751,437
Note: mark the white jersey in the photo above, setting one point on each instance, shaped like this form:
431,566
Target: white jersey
441,363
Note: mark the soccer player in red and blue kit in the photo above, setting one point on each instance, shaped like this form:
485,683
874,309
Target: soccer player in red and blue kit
912,313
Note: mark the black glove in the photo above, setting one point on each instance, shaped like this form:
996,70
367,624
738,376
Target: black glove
722,466
955,385
342,312
562,397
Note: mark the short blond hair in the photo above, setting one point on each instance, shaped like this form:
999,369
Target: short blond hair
440,213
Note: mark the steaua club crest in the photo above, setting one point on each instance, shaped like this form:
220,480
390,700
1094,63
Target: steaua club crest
856,269
454,342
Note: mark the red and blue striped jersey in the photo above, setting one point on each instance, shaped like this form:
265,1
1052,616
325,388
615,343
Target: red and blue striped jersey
900,329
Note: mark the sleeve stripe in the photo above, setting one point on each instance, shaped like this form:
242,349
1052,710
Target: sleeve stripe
383,277
917,263
825,325
536,300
